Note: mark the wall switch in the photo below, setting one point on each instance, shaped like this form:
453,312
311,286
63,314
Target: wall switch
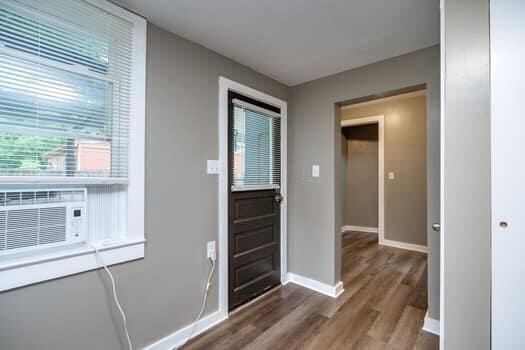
211,250
213,167
391,175
315,170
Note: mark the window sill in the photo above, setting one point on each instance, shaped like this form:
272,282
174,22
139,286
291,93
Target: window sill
83,180
22,271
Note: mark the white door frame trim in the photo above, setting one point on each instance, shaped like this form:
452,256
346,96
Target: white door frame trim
226,85
442,96
380,121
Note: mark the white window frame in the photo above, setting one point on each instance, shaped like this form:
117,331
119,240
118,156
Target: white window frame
21,271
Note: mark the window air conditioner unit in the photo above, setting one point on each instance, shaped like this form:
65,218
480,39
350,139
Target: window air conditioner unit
36,219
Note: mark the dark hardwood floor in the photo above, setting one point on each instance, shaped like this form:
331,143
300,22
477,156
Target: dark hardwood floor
382,307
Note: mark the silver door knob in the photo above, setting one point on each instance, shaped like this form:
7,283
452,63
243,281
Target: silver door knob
278,198
436,227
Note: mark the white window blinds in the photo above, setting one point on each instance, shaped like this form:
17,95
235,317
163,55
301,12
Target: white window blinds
255,147
65,76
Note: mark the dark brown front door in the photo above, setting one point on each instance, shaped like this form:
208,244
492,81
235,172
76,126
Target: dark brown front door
254,203
254,244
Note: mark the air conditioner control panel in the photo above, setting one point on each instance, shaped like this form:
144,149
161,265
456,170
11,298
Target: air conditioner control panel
77,223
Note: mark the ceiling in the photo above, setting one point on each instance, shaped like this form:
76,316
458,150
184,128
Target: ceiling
294,41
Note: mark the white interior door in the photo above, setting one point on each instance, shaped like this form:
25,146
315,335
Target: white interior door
507,23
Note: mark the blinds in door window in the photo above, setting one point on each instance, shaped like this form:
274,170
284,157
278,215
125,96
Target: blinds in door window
256,147
65,76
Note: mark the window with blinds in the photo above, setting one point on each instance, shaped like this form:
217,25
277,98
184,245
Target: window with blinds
255,147
72,116
65,76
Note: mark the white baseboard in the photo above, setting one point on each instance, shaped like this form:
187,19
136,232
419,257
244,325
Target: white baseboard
359,228
177,338
320,287
403,245
431,325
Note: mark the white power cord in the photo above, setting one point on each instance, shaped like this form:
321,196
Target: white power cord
204,298
122,314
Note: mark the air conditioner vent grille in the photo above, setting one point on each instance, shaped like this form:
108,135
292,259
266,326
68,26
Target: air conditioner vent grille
52,225
9,198
31,219
3,223
21,228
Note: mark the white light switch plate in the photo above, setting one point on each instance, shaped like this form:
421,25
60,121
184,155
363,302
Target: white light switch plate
213,166
315,170
391,175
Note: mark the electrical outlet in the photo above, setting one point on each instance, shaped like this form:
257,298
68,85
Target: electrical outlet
211,250
213,166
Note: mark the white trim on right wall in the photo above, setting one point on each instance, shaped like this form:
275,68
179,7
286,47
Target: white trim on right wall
442,95
431,325
320,287
403,245
387,242
359,229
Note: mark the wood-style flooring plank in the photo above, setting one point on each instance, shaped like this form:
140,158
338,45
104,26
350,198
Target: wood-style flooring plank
390,314
407,329
355,329
426,341
282,333
382,307
369,343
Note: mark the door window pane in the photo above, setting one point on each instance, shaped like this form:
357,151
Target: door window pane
256,148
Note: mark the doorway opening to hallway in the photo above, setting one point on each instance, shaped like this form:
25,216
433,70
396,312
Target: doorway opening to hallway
383,180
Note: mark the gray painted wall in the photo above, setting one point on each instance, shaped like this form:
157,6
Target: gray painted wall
405,155
314,232
161,293
467,213
361,204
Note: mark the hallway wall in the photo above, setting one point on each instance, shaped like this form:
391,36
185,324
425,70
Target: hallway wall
360,175
405,156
